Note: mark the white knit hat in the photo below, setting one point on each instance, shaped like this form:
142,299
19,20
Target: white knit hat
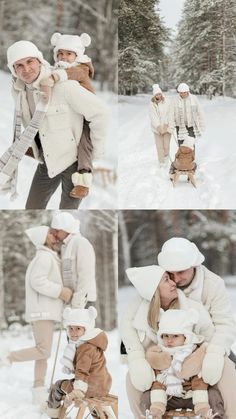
66,222
178,254
146,279
20,50
156,89
189,142
73,43
183,87
37,235
84,317
179,322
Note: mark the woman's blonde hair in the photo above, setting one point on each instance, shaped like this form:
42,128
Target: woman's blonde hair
154,309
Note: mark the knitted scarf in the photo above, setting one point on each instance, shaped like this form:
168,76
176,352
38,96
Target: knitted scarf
69,277
69,355
168,376
186,104
22,141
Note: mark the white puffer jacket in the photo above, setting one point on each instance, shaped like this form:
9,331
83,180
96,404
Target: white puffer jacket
209,289
43,284
61,129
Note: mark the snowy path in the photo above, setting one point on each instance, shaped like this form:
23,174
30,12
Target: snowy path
16,382
143,185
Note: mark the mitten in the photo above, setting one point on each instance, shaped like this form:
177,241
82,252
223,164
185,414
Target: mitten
202,410
158,359
213,364
65,294
74,395
141,373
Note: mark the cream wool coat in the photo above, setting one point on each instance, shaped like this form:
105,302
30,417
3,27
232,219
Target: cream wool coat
159,115
61,129
194,114
43,284
82,255
209,289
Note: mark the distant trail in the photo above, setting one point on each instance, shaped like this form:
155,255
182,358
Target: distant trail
142,184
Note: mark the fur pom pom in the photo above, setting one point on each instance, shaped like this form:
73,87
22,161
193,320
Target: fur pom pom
85,39
55,38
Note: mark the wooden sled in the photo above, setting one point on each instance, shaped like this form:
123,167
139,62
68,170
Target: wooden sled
94,404
189,173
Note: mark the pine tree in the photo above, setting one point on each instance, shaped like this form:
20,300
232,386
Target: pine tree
142,37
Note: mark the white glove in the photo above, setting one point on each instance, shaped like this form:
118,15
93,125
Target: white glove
141,373
213,364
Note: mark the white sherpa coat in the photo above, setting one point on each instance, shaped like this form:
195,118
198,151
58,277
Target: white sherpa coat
159,115
194,115
137,334
61,129
83,268
43,284
209,288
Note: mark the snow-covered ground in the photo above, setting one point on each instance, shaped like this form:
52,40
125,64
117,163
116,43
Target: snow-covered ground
143,185
125,295
100,197
16,382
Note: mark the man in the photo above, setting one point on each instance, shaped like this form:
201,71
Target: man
186,114
55,144
78,259
183,260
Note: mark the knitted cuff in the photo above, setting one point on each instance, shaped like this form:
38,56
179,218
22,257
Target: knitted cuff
200,396
61,74
159,396
82,179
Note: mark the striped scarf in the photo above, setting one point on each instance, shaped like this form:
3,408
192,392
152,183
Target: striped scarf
22,141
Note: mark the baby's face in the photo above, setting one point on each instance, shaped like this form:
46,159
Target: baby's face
65,55
75,332
170,341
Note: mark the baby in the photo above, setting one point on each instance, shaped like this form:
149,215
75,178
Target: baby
184,158
177,341
84,358
72,64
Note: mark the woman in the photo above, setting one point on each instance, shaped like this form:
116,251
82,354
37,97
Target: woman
45,295
156,292
159,115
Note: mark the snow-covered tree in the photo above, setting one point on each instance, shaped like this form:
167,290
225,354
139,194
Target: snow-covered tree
204,51
142,36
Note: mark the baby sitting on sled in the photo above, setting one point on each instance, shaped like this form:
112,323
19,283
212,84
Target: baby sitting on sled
184,162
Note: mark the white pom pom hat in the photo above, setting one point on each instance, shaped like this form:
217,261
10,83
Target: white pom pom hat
178,254
84,317
38,235
183,87
179,322
66,222
145,279
156,89
74,43
20,50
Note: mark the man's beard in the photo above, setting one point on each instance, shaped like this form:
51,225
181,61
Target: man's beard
57,246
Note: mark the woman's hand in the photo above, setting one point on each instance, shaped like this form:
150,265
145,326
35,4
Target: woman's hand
141,373
65,294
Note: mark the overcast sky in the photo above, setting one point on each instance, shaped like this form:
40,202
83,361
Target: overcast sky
171,11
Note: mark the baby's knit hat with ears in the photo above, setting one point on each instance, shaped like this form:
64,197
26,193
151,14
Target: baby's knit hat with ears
84,317
179,322
74,43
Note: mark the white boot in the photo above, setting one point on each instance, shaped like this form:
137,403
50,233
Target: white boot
50,411
39,395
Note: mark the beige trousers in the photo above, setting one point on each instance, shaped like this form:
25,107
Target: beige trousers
43,335
227,386
162,145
